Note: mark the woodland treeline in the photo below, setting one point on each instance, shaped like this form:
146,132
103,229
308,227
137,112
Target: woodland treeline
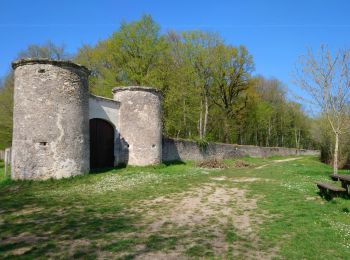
209,88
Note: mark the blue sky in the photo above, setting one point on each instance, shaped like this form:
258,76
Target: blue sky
275,32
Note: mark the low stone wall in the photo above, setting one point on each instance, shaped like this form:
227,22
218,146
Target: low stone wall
185,150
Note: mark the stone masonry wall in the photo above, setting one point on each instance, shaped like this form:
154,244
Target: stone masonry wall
140,124
185,150
51,124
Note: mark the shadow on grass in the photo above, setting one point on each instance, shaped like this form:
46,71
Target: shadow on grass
37,228
107,169
101,170
329,197
169,163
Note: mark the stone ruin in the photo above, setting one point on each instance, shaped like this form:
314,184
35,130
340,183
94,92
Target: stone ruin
61,130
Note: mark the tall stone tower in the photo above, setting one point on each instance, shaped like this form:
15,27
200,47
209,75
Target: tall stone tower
140,124
50,119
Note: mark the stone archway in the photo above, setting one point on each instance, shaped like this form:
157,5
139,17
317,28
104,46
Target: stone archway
101,144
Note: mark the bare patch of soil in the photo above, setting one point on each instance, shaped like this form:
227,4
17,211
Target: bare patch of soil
221,178
160,256
24,237
247,179
213,210
242,164
78,244
277,161
238,179
20,251
28,211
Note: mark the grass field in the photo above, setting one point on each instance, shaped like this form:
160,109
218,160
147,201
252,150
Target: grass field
269,209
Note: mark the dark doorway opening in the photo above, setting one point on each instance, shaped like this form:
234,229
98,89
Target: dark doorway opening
101,144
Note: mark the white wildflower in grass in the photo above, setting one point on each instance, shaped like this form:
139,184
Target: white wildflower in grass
122,182
112,182
344,230
302,183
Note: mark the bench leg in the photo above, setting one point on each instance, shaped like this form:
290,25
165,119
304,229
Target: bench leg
345,186
333,194
323,191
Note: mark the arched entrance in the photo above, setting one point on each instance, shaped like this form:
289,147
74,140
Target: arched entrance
101,144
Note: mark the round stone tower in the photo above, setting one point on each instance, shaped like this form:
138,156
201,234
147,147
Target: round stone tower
50,119
140,124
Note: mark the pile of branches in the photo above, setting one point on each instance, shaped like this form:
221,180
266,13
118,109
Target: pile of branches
212,164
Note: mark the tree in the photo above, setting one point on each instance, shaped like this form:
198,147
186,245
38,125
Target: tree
231,75
6,108
198,48
207,85
325,76
133,55
181,97
48,50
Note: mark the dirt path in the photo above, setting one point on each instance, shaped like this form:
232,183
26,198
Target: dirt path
218,217
278,161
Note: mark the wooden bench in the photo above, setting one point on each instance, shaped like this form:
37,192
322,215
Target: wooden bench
344,178
331,190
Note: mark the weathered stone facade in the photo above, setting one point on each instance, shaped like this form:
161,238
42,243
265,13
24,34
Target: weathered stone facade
52,109
186,150
50,120
140,124
58,125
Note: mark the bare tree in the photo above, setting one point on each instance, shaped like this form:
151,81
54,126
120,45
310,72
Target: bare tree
325,76
48,50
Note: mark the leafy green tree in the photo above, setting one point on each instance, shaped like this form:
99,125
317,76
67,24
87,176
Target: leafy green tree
270,119
199,48
208,89
6,110
181,97
231,75
133,55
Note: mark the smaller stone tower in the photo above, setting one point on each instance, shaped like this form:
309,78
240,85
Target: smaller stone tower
50,119
140,124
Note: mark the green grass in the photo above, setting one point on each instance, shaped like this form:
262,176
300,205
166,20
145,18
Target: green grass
3,179
118,213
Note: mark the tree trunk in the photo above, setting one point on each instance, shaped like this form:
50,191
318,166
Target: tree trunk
205,116
226,131
270,126
200,125
268,135
184,118
336,149
296,138
282,144
241,136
